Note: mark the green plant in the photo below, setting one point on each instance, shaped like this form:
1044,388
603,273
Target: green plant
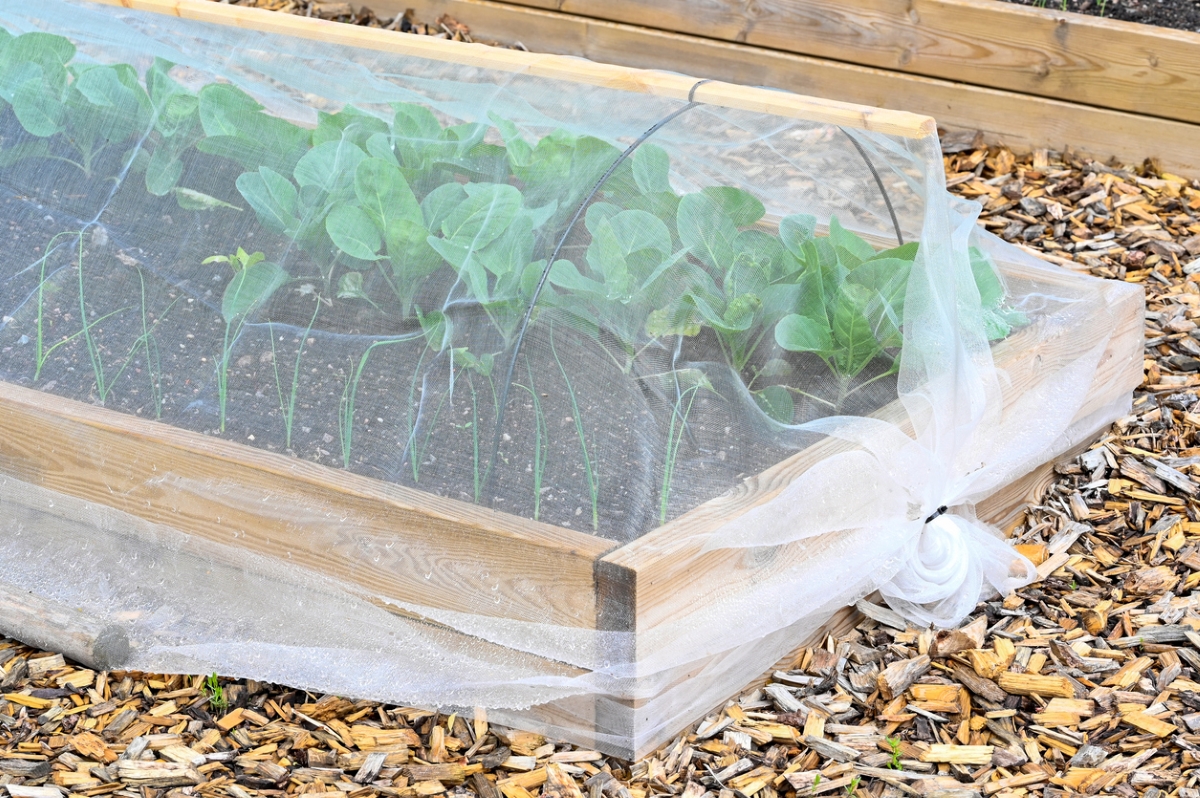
287,406
215,693
894,762
589,465
816,780
104,385
675,430
470,364
541,442
149,344
350,394
254,281
852,787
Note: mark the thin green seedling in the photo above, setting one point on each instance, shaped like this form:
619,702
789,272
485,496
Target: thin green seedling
679,417
418,452
41,355
894,762
852,787
287,407
541,442
474,434
104,386
590,471
349,399
816,780
408,415
149,344
216,693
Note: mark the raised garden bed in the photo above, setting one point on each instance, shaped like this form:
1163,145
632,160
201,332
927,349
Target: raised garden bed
629,585
1027,77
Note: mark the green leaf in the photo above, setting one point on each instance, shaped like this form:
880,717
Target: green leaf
844,239
225,109
987,279
38,110
408,249
797,333
384,193
273,197
852,330
350,286
250,288
795,230
742,207
330,167
22,149
353,232
163,171
351,124
652,169
438,203
679,320
706,230
482,217
192,200
776,401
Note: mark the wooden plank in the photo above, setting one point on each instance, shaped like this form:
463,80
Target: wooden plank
40,622
672,554
399,543
623,78
1001,508
1021,121
1043,51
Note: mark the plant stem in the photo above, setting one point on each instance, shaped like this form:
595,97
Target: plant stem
288,407
593,479
674,438
474,433
94,354
350,393
540,443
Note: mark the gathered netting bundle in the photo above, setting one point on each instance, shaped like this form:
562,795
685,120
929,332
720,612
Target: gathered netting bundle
587,310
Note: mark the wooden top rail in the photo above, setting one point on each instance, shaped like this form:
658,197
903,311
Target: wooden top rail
557,67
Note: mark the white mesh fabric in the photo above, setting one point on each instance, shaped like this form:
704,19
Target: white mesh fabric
684,296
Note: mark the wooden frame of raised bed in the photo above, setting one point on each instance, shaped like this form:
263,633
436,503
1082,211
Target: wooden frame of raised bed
549,575
1027,77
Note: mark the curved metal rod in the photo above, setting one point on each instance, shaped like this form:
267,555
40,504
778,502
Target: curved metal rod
541,284
879,182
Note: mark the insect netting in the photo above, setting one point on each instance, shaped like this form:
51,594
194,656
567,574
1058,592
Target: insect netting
573,306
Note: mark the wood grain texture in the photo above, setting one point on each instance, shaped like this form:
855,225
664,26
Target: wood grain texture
1003,508
1043,51
899,123
39,622
672,556
1021,121
397,543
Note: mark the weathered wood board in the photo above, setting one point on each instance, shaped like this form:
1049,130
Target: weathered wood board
1021,121
1046,52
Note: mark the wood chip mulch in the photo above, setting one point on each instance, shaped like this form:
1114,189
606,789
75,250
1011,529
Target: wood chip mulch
1086,682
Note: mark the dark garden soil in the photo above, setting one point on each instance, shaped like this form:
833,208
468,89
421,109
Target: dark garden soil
1179,14
155,336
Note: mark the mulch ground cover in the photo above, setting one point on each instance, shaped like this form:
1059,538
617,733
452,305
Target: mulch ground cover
1086,682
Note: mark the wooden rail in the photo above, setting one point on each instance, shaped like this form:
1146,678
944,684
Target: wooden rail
748,98
1021,120
1043,51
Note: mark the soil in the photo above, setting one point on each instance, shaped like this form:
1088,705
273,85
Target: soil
1179,14
154,345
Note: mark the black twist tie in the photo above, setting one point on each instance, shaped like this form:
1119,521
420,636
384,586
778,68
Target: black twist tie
939,511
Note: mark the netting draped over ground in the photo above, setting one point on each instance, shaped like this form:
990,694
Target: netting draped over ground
590,308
